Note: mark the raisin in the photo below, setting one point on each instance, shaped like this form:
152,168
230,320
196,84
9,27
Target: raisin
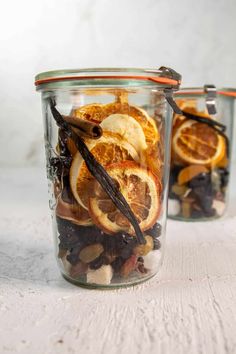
155,231
72,235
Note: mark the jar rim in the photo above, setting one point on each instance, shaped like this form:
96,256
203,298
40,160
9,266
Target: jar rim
199,91
163,76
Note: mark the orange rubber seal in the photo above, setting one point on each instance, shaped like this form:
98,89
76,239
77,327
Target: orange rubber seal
201,92
228,93
161,80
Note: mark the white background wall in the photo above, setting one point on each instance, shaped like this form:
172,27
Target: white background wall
197,38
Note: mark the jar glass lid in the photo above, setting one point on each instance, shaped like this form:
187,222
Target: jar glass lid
163,76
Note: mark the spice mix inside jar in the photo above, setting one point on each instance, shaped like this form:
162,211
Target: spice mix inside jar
107,137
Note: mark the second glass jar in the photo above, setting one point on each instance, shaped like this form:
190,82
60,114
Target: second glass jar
201,151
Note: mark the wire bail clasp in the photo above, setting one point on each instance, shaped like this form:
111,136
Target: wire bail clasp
169,98
210,91
168,92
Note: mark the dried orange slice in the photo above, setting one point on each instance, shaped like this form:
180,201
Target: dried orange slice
189,106
97,112
197,143
189,172
152,159
141,189
224,162
110,148
178,119
93,112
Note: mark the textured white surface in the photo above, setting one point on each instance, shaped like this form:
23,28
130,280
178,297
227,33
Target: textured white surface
190,307
194,37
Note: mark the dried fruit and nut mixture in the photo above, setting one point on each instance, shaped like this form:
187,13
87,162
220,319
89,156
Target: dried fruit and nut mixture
200,165
98,243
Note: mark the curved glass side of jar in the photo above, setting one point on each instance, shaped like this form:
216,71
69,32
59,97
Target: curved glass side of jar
200,161
95,241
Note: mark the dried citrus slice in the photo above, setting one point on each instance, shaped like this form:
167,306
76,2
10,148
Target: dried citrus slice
128,128
132,131
224,162
148,124
189,106
189,172
97,112
73,212
110,148
141,189
93,112
152,159
178,119
198,143
71,147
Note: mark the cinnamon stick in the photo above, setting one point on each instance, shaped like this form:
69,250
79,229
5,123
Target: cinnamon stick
84,128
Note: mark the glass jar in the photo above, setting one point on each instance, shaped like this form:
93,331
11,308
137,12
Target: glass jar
107,137
200,153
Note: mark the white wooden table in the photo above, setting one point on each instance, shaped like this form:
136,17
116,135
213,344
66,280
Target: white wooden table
190,307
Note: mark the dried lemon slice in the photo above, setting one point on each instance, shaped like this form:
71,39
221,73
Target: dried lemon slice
141,189
128,128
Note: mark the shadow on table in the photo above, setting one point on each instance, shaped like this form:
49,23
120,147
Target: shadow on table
34,264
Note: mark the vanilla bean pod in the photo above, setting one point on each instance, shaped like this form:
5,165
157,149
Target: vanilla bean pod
211,122
99,173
